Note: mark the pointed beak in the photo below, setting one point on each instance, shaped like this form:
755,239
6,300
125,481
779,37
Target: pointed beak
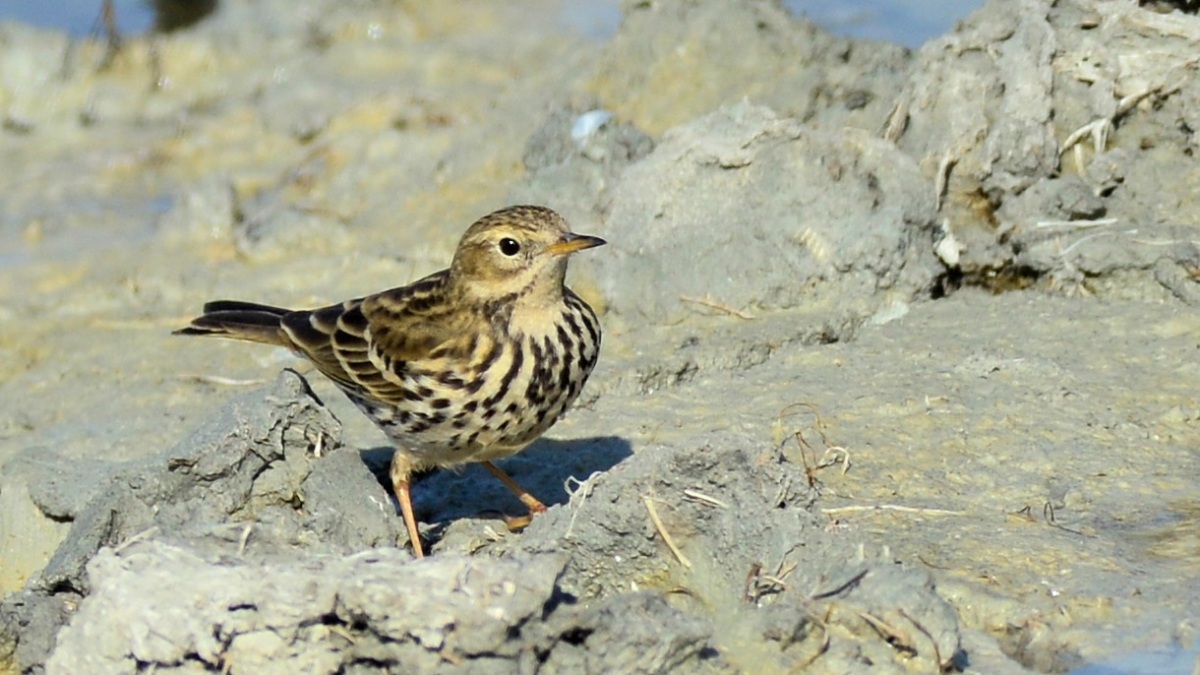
575,242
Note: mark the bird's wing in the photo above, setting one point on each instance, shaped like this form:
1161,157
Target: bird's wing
369,345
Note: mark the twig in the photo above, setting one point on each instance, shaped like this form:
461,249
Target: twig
778,581
759,584
662,531
937,653
1052,521
244,539
721,307
144,534
892,636
1075,223
852,582
892,507
897,121
224,381
345,634
1063,253
825,641
751,592
942,180
704,499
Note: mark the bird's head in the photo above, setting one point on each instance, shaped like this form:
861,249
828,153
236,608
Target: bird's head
519,252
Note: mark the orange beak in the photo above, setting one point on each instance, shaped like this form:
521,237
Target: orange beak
575,242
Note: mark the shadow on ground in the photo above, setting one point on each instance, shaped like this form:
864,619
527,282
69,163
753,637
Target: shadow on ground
543,468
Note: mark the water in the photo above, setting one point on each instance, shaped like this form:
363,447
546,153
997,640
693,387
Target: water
78,17
1176,661
908,22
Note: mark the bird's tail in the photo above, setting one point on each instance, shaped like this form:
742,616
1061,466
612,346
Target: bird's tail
240,321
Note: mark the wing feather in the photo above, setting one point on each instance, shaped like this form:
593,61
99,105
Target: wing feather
374,345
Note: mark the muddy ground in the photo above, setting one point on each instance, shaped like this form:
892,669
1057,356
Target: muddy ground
899,363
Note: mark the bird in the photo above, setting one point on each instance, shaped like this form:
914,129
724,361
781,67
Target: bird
469,364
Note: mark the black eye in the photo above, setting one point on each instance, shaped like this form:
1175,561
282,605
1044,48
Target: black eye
509,247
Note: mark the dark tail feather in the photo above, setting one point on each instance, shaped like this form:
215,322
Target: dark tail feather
240,321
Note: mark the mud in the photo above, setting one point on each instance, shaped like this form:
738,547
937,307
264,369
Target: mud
898,366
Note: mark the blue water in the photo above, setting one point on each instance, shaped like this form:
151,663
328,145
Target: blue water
77,17
908,22
1175,661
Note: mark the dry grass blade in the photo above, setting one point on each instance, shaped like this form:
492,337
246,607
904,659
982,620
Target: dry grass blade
825,641
751,592
662,532
891,507
937,652
223,381
144,534
850,583
893,636
719,306
244,539
697,496
759,584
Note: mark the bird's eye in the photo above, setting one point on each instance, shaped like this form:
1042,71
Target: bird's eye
509,247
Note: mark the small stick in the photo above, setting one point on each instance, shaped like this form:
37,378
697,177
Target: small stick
937,653
244,539
1126,104
1075,223
144,534
802,667
751,593
713,304
224,381
1048,515
897,121
1063,253
942,180
345,634
851,583
703,498
892,507
778,581
786,570
662,531
891,635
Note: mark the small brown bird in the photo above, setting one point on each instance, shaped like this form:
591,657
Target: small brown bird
469,364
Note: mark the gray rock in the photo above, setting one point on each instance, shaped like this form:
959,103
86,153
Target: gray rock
575,159
1032,112
239,485
752,210
670,63
294,614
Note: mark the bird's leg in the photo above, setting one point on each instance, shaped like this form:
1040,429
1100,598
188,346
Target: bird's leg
535,507
400,472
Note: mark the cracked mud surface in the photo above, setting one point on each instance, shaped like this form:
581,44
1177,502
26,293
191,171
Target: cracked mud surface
814,440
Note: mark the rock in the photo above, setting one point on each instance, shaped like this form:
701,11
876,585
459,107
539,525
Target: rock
247,481
751,210
290,614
